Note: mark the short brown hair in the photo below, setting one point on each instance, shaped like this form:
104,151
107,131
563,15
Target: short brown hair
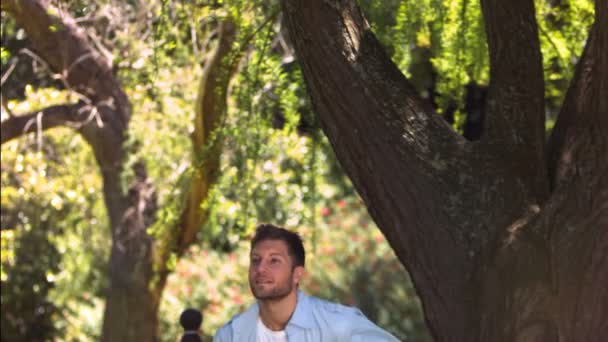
295,247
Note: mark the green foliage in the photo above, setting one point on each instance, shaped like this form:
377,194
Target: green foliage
7,27
451,36
267,107
563,28
54,235
462,55
439,45
28,314
4,55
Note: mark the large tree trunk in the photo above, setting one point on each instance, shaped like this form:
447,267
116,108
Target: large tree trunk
505,238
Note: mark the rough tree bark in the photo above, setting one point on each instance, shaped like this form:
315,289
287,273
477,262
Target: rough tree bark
505,238
138,265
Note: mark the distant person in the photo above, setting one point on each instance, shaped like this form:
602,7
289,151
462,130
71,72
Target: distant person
191,320
282,312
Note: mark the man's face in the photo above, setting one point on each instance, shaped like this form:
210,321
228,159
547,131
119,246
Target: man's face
271,274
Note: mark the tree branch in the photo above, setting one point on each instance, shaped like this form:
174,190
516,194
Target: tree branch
71,115
515,106
64,47
578,144
206,143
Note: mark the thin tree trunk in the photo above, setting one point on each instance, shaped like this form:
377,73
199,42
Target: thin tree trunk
131,312
207,142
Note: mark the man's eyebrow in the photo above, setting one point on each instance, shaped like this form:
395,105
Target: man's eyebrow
271,254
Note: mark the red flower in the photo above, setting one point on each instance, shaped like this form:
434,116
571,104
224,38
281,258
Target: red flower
237,299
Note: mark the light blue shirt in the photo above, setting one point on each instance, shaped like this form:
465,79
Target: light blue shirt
314,320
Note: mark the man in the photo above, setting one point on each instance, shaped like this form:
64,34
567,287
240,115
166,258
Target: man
282,312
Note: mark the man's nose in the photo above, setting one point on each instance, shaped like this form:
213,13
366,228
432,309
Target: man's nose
260,267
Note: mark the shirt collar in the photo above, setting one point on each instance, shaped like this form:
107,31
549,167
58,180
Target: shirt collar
302,315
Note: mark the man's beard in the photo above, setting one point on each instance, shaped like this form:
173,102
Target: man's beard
278,292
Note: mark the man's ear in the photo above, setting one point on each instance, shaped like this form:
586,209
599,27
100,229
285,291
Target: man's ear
298,273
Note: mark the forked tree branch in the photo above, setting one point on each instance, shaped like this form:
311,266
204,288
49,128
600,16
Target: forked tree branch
69,115
65,48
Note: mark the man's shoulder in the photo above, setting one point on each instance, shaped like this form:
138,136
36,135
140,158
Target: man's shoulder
245,319
348,322
340,318
333,308
229,323
224,333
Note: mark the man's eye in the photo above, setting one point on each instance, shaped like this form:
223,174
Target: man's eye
275,261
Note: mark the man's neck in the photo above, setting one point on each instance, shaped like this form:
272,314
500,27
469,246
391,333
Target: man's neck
276,313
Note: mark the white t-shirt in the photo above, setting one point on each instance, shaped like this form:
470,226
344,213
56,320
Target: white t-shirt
267,335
